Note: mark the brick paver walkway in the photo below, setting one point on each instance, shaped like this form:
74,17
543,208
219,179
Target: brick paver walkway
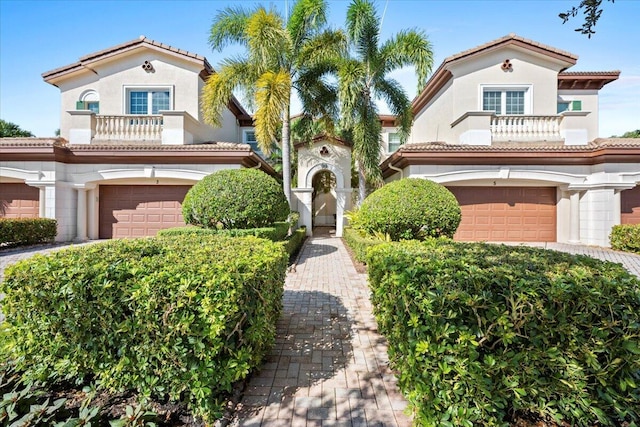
329,364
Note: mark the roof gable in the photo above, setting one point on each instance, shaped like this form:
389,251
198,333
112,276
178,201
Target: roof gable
443,74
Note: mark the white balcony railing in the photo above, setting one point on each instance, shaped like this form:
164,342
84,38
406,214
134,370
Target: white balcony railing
128,128
526,128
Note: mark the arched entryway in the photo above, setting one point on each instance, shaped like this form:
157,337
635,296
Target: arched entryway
322,196
324,199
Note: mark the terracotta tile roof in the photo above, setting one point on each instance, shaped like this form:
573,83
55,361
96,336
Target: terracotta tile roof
123,47
509,38
157,146
589,73
542,146
32,142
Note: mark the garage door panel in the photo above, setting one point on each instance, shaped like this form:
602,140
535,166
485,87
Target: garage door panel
18,200
630,206
128,211
506,213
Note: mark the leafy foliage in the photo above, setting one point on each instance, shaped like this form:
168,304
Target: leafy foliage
178,317
479,332
280,56
629,134
410,208
359,243
294,242
27,231
626,237
363,79
592,11
235,198
12,130
276,233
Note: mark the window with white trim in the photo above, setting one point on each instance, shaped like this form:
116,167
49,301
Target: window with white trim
89,100
569,106
394,142
506,100
249,137
147,101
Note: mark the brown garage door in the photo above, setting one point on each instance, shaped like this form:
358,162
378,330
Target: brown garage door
19,201
630,206
507,214
140,210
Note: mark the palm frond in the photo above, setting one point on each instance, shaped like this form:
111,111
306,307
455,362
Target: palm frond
267,40
366,142
363,28
307,18
326,46
229,27
318,95
218,90
351,90
409,47
273,94
399,104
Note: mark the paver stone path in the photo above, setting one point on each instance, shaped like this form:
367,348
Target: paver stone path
329,366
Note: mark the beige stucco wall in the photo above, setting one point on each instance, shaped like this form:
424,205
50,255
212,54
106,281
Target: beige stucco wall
432,123
589,100
112,79
337,161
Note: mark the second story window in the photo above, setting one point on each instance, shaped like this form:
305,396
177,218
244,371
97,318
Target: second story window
249,137
506,101
148,101
394,142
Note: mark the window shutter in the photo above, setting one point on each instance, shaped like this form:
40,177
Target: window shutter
80,105
576,105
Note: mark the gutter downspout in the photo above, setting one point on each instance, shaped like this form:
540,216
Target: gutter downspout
397,170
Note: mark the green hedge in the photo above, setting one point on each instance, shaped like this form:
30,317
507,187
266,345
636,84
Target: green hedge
235,198
294,242
408,209
182,317
27,231
277,232
359,244
626,238
478,332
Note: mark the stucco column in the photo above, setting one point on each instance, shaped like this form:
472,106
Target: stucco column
42,198
92,213
81,215
574,222
341,206
617,207
305,202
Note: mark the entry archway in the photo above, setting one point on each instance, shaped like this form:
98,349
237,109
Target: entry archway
323,157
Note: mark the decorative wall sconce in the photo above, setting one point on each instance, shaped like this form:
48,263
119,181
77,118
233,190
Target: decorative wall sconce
507,65
148,67
324,151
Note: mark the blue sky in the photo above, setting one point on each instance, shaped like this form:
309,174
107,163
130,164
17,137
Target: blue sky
38,36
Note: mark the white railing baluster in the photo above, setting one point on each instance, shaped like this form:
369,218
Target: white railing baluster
128,128
525,128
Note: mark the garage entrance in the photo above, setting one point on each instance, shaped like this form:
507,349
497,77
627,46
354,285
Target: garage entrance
507,214
18,200
128,211
630,206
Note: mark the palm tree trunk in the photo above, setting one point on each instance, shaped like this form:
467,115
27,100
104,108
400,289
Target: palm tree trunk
362,184
286,155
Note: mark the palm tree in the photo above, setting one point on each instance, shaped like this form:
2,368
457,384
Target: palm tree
363,79
12,130
281,57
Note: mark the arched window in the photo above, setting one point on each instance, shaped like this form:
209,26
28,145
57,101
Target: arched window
89,100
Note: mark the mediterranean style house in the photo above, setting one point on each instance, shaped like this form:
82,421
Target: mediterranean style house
504,126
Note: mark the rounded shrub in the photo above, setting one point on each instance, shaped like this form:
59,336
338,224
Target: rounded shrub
235,198
410,208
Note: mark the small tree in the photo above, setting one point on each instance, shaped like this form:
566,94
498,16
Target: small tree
411,208
235,198
12,130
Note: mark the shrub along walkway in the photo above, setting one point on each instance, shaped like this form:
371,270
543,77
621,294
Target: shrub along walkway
329,364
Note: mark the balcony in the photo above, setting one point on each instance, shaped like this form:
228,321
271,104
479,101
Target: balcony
485,128
167,128
128,128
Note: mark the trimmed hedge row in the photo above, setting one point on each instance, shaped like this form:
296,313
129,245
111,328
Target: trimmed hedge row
181,317
277,232
293,244
27,231
359,244
626,238
479,332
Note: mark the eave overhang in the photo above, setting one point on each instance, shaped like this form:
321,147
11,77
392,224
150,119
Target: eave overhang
586,80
